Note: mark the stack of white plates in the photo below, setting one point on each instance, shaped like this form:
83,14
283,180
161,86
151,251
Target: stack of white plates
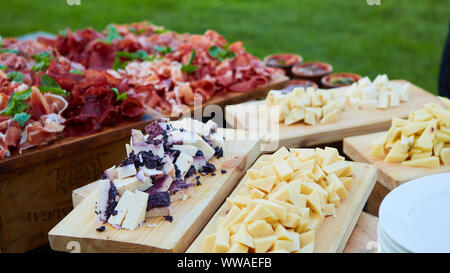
415,217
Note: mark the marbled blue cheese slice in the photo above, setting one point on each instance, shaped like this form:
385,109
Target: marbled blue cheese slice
136,211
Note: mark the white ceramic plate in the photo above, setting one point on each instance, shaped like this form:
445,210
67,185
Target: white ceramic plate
387,245
416,215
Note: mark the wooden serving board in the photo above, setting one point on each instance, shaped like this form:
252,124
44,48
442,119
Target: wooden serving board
334,233
361,241
391,175
189,216
352,122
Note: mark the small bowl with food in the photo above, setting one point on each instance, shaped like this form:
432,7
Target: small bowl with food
312,71
339,80
284,61
299,83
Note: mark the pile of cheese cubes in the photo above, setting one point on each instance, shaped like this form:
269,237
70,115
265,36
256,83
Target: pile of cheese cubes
381,93
283,201
422,140
308,105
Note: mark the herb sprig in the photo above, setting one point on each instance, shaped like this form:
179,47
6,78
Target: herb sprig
221,54
122,96
49,85
112,34
42,61
16,103
189,68
138,55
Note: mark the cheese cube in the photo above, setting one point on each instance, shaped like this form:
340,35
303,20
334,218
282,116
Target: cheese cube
281,194
243,237
445,156
329,209
283,170
238,248
337,168
208,244
257,194
338,186
222,242
291,220
307,238
231,215
281,154
263,244
295,115
308,248
136,211
281,233
277,209
282,245
260,228
264,184
253,174
258,213
430,162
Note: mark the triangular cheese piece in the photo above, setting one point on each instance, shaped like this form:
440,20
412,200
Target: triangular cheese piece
263,244
264,184
258,213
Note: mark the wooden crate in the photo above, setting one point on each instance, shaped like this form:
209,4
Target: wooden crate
36,187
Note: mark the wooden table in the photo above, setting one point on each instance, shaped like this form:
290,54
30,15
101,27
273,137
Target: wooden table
362,240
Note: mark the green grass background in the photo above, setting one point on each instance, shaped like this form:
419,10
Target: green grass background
403,38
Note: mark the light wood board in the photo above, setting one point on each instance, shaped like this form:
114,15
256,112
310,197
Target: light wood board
391,175
334,232
189,216
351,123
364,236
361,240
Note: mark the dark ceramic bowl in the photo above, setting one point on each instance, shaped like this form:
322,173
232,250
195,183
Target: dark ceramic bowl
339,80
312,71
284,61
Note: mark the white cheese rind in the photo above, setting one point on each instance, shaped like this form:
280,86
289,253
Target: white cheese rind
122,209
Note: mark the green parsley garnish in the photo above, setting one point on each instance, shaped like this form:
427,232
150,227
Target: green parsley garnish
62,33
76,71
2,67
21,118
16,103
49,85
15,76
189,68
7,50
122,96
221,54
138,55
42,61
163,50
112,34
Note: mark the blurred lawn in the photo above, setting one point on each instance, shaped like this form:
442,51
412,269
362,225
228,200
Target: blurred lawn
401,38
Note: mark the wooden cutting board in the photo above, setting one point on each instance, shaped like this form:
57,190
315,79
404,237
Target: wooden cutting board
352,122
391,175
362,240
189,216
334,233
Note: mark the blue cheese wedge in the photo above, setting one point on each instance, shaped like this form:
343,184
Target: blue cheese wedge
136,211
121,209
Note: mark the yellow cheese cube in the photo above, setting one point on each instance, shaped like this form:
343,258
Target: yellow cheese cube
314,202
298,199
281,194
430,162
425,141
304,154
208,244
260,228
291,220
307,238
281,233
267,171
280,155
264,184
398,122
337,168
438,112
240,201
329,209
238,248
258,213
296,114
303,226
235,228
347,182
330,117
413,127
253,174
397,153
445,156
222,242
231,215
377,150
307,165
282,245
316,221
263,244
295,241
279,210
243,237
442,136
283,170
338,186
333,198
257,194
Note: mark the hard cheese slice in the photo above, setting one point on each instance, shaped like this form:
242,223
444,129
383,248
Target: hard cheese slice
136,211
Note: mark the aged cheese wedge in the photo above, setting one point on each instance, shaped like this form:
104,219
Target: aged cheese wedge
264,184
208,244
222,242
260,228
258,213
243,237
430,162
231,216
